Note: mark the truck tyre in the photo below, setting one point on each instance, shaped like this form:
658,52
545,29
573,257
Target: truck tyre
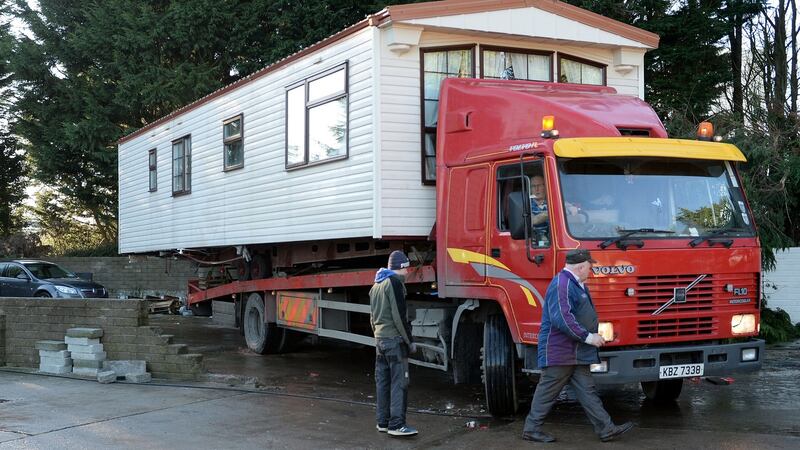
260,267
662,391
257,332
499,367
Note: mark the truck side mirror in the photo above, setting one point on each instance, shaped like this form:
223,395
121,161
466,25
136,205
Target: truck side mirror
516,215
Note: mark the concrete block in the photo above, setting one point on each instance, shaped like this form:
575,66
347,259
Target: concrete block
50,361
87,363
81,340
139,378
85,371
99,356
53,346
108,376
91,348
55,369
54,354
125,367
85,332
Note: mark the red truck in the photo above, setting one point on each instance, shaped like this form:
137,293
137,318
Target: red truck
676,286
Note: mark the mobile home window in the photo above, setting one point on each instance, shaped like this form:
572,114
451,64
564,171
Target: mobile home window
438,64
580,71
233,143
516,64
316,118
182,165
153,169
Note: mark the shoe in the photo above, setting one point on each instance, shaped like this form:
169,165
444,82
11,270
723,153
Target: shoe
537,436
403,431
382,429
617,431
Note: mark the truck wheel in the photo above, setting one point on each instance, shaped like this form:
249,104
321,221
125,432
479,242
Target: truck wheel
257,332
499,367
663,391
260,267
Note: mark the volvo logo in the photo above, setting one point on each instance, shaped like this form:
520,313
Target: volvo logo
613,270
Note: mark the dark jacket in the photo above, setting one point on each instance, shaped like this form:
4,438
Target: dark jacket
387,300
568,316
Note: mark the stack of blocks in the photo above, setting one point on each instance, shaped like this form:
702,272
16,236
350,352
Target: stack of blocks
54,357
86,350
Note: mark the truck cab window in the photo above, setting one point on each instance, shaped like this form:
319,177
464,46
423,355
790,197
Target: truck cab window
531,184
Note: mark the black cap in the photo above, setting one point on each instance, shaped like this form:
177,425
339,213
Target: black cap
578,256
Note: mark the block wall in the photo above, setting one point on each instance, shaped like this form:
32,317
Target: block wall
126,333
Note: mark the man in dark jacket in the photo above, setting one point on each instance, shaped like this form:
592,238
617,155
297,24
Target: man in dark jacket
568,343
392,331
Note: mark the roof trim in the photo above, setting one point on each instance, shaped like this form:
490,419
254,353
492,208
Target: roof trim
457,7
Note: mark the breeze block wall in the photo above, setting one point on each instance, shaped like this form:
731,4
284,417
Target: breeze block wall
134,277
126,333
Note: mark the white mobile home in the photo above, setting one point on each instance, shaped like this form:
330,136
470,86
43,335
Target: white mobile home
337,140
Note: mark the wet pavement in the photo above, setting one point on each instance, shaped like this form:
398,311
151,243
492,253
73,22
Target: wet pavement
321,396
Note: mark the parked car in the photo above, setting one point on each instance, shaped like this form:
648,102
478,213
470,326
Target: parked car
31,278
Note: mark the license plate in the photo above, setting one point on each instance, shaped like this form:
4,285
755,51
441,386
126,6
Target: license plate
680,371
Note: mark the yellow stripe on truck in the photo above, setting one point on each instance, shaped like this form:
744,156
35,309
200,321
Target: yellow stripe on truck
665,148
462,256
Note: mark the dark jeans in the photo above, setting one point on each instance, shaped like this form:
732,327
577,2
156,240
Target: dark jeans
552,380
391,381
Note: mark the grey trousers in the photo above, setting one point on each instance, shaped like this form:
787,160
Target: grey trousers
391,382
552,380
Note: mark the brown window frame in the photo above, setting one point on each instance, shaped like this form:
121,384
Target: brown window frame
425,130
229,140
152,168
187,166
345,94
588,62
526,51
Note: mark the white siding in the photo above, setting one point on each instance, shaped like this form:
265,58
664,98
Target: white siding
261,202
782,285
407,206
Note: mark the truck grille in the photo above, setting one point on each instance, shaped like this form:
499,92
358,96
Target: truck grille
652,292
685,326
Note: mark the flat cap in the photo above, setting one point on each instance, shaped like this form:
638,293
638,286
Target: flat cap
578,256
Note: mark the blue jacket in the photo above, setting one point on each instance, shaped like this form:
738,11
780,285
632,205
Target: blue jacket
568,315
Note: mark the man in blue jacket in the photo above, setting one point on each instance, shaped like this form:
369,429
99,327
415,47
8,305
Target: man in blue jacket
568,343
392,331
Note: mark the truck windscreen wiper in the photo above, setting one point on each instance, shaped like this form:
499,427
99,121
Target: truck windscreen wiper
628,233
718,232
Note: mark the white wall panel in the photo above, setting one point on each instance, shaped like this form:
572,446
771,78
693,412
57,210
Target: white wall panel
263,202
782,285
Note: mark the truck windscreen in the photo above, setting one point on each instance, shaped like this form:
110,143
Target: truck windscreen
683,197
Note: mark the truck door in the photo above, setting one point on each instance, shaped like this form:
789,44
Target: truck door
466,225
528,263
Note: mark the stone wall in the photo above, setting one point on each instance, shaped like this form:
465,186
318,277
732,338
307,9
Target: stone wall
126,333
134,278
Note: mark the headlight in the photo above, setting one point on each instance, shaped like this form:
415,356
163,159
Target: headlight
66,290
749,354
606,329
743,323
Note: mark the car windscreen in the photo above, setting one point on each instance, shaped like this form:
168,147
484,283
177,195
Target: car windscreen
48,270
681,197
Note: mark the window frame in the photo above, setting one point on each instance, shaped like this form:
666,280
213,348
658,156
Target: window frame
423,129
187,165
226,141
308,106
588,62
525,51
152,168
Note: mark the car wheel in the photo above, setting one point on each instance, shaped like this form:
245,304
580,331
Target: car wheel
43,294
